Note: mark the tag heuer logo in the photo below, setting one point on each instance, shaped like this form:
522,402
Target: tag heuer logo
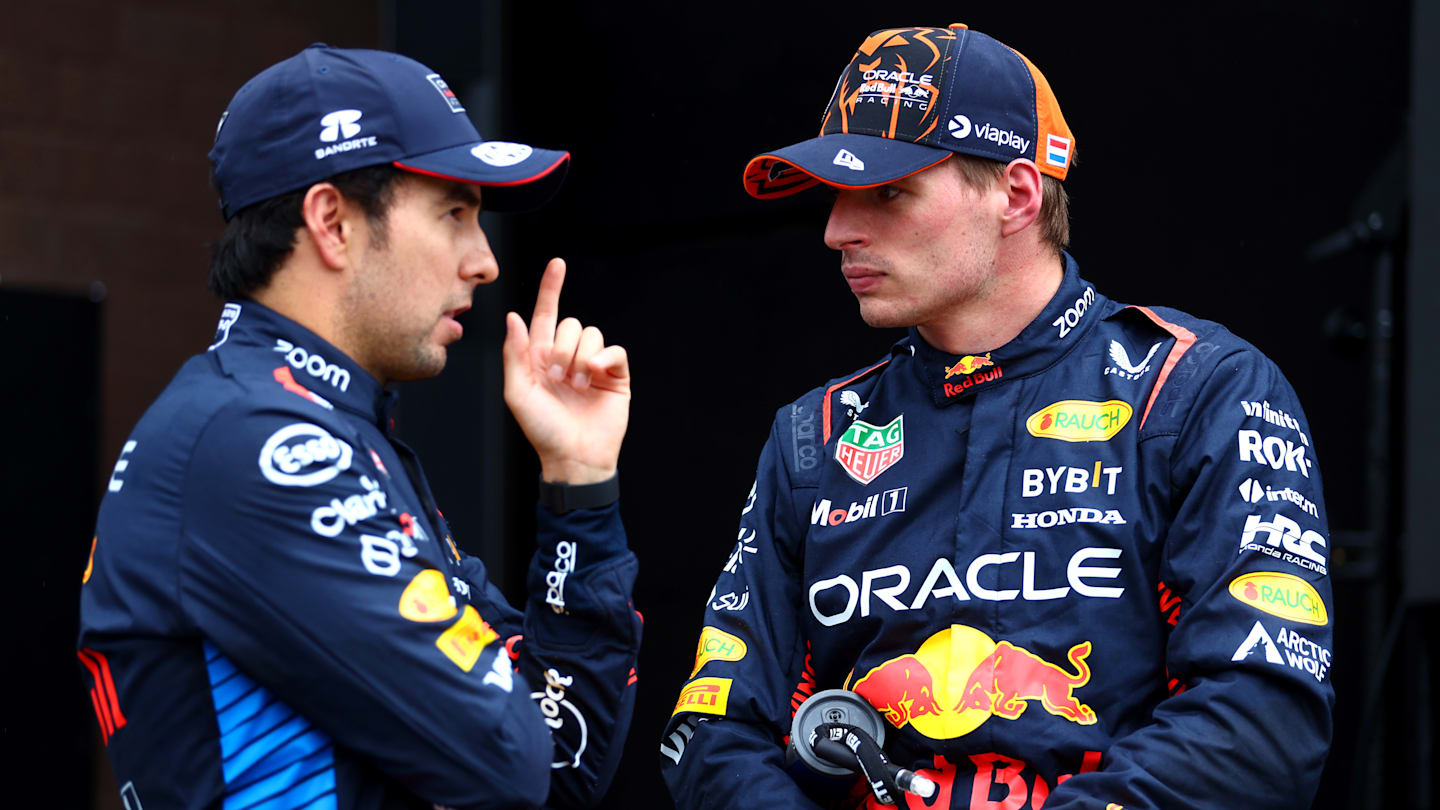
866,450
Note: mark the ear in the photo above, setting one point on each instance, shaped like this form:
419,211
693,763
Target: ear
1024,192
327,216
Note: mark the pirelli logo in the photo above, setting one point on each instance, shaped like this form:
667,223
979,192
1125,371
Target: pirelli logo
465,639
704,695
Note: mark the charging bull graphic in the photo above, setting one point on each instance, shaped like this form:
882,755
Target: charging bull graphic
960,677
900,689
1011,676
969,364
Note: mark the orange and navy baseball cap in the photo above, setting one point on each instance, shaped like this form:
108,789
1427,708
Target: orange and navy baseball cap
908,99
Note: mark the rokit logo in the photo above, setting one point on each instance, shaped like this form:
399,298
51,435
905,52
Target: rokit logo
565,552
313,364
881,503
342,124
1273,452
833,601
303,455
1254,492
1283,539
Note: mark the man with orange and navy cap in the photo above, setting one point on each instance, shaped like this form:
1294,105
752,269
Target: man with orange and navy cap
275,614
1074,552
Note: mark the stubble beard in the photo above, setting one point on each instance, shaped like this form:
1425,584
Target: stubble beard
394,344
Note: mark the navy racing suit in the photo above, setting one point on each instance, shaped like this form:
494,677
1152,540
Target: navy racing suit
275,614
1087,569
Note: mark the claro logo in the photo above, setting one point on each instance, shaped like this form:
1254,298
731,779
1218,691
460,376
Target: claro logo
303,455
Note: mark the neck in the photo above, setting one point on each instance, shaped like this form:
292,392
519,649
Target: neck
308,294
1001,310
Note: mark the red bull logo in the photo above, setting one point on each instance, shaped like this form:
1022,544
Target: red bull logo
969,364
960,677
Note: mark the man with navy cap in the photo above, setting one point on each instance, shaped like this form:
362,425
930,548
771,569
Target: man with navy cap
1073,552
275,614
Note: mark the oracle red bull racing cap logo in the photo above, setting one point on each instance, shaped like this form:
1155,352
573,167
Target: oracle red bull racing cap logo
960,677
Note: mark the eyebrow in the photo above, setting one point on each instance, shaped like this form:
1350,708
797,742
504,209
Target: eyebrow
463,193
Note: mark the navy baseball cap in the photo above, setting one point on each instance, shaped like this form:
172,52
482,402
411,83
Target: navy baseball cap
910,98
329,110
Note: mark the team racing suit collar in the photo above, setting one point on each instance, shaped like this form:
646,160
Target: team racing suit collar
252,338
1040,345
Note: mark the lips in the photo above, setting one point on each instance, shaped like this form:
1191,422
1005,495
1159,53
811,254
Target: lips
862,279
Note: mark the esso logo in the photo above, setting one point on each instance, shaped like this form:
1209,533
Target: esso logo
303,455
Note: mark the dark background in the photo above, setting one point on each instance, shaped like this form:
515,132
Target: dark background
1218,145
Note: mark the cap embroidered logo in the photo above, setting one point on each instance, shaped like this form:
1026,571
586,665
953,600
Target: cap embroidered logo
847,159
340,123
960,127
501,153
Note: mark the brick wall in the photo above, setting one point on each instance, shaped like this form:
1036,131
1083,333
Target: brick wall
107,110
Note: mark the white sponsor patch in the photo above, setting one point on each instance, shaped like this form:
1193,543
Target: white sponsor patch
502,153
303,455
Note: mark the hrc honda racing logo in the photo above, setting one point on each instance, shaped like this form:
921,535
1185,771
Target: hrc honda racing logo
835,600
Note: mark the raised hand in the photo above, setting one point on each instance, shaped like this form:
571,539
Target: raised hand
567,389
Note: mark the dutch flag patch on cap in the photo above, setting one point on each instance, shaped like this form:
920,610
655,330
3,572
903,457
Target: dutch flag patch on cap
1057,150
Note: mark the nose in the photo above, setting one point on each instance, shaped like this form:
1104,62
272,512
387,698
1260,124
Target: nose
845,229
478,263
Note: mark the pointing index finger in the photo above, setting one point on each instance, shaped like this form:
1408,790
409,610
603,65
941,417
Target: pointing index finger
547,307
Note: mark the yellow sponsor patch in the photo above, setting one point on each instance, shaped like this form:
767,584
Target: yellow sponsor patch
716,645
90,566
1283,595
427,599
705,695
1080,420
465,639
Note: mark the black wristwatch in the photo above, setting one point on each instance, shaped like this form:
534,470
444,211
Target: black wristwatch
562,498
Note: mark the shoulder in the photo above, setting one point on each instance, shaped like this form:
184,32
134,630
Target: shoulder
804,425
1202,361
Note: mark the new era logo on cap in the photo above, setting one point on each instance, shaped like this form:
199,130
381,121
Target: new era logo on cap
847,159
1057,150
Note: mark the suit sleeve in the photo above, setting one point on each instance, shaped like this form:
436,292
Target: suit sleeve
1251,647
296,567
579,639
724,745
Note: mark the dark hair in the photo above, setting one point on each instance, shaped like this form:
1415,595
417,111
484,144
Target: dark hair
260,236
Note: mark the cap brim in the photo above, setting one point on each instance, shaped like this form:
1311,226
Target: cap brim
516,177
840,160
